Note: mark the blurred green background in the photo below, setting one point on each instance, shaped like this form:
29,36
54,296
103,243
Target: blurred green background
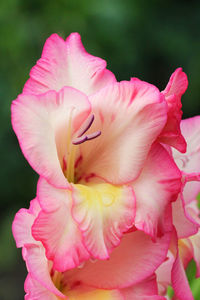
145,39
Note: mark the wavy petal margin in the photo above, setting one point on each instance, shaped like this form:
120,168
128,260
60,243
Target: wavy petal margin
66,63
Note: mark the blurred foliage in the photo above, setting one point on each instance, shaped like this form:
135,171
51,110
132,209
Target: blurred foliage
194,283
145,39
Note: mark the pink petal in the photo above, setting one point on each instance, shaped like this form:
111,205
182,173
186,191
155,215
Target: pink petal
179,279
164,273
57,230
184,251
22,223
158,185
177,84
142,290
35,291
184,223
66,63
41,123
175,88
190,192
186,215
130,116
190,161
38,268
103,212
135,259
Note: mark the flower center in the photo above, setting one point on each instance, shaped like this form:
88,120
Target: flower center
80,138
75,290
56,278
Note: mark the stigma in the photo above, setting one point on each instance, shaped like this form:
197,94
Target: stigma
81,136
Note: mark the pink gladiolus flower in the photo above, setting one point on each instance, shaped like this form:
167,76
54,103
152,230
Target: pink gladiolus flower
112,195
185,215
94,161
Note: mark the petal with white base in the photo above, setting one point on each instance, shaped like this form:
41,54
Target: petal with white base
42,124
130,116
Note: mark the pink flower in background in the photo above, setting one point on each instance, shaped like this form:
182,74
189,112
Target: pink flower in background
185,215
110,197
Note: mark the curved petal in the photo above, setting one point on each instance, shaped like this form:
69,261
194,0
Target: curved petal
177,84
164,273
38,267
130,116
57,230
41,124
23,221
190,161
179,280
191,189
190,129
158,185
135,259
141,290
35,291
185,214
182,219
66,63
175,88
103,212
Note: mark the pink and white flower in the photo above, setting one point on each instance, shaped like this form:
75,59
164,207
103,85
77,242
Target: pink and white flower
77,176
102,221
185,216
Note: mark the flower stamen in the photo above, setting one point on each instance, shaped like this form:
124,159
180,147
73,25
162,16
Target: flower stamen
81,138
86,125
